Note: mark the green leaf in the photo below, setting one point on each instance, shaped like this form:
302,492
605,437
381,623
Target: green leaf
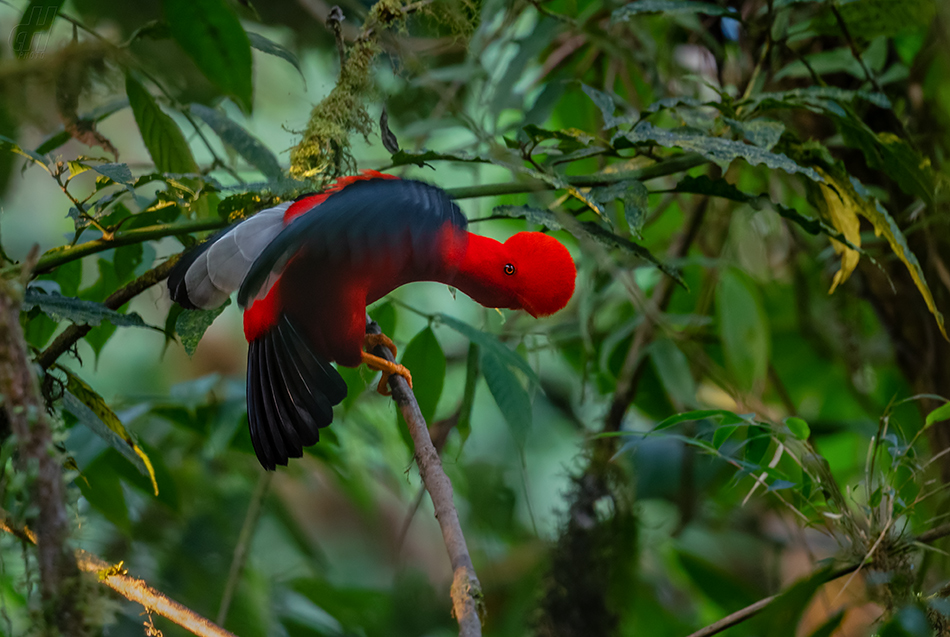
743,329
385,316
270,47
100,485
8,144
550,221
666,7
633,194
909,621
728,418
674,371
869,19
424,358
723,587
489,343
211,34
119,173
820,99
607,106
91,410
192,325
464,424
717,149
798,427
761,132
241,141
38,16
937,415
510,396
78,311
163,139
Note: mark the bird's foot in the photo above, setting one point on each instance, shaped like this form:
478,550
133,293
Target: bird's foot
373,340
388,368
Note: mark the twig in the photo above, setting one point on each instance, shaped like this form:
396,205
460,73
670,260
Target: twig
466,591
59,577
136,590
244,541
59,256
71,335
754,609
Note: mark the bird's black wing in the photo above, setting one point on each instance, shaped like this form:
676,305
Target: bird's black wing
363,219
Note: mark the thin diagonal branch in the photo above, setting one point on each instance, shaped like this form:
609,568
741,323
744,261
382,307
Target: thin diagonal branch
466,590
71,335
752,610
136,590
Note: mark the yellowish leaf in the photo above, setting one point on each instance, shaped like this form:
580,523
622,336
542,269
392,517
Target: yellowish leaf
845,200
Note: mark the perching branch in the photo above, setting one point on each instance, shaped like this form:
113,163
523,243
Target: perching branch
466,591
754,609
136,590
58,256
71,335
60,584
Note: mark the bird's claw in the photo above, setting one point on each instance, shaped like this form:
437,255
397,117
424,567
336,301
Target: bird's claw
370,341
388,368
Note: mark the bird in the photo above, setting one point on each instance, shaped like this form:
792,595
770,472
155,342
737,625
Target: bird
305,271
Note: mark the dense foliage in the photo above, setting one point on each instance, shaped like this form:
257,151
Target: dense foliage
703,426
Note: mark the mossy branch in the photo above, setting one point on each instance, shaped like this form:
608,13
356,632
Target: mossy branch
136,590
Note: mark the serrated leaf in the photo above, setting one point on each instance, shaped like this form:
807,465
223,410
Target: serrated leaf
666,7
164,140
119,173
510,396
78,311
402,158
743,329
634,196
815,98
212,36
891,155
91,410
425,359
762,132
38,16
607,106
798,427
191,325
241,141
270,47
489,343
717,149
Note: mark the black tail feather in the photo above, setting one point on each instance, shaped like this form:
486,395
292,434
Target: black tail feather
290,394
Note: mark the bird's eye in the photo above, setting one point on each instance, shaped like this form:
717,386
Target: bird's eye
509,269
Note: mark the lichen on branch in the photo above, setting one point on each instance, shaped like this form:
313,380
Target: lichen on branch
324,151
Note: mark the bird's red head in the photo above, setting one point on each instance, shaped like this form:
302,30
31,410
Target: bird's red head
540,272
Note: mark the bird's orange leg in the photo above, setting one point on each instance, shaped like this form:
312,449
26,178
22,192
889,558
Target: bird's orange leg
381,364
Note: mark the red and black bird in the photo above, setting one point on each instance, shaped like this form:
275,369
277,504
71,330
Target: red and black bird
306,270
